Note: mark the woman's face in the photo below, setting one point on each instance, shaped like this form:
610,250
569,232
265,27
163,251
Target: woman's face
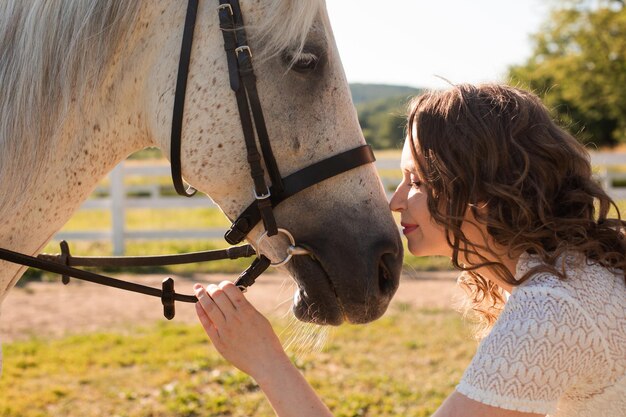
424,236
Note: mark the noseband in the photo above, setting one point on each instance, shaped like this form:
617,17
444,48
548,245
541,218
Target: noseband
266,198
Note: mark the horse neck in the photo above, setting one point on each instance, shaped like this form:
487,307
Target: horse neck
98,132
70,174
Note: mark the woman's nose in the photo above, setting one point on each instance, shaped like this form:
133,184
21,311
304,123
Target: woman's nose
398,199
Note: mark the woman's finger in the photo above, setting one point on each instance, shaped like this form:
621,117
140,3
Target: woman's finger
204,319
222,300
235,295
209,306
208,326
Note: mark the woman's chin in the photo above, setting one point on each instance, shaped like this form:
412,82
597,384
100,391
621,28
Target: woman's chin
424,249
420,249
416,249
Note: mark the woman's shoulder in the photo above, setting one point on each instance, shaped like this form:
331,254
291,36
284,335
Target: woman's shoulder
545,346
591,300
587,283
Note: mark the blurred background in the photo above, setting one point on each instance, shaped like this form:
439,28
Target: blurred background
572,53
85,351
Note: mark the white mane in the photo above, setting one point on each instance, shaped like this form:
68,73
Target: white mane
286,24
52,51
49,52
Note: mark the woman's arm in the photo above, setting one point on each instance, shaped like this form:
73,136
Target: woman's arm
246,339
458,405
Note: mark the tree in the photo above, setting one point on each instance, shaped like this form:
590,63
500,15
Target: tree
383,121
579,68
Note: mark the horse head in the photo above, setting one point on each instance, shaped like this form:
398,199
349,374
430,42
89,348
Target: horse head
355,252
344,222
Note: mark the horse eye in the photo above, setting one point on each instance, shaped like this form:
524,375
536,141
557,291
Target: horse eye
305,62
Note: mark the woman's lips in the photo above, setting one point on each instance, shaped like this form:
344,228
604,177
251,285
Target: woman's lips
408,228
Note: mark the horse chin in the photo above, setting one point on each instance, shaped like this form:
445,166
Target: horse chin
315,300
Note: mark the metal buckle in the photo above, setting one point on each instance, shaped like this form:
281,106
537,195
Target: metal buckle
265,196
292,250
243,48
226,6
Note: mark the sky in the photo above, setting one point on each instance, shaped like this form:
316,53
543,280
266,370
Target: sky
412,42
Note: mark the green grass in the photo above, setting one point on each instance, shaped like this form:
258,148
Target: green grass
150,219
404,364
147,153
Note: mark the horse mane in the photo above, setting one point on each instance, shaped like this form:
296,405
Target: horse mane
51,52
286,25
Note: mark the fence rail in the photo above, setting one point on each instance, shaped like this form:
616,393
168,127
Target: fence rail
118,197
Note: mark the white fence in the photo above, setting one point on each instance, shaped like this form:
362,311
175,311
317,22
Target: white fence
119,199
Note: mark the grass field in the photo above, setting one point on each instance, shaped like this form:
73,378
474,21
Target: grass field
404,364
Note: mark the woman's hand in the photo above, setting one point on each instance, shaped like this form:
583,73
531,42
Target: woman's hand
239,332
246,339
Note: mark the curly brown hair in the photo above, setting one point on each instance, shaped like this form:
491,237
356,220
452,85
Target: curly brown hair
496,146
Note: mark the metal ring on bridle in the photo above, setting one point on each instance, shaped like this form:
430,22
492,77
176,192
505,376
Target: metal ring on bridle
292,250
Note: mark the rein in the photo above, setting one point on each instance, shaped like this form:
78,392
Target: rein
243,83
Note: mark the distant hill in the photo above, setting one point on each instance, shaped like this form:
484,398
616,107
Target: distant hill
362,93
382,112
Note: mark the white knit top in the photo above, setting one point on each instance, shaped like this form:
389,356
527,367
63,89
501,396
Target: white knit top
559,346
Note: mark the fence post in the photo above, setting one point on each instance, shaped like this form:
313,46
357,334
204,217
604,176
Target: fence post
117,209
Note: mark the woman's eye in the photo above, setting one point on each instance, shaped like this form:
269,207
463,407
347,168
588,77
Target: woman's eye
415,181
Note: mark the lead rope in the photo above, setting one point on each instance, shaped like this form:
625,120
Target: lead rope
63,264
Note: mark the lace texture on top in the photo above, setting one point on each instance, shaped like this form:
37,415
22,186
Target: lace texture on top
558,347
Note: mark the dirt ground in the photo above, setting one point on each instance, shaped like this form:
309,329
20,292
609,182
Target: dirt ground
53,309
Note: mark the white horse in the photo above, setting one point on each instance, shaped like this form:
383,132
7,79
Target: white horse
85,83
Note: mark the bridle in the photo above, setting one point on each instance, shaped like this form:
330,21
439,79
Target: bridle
243,83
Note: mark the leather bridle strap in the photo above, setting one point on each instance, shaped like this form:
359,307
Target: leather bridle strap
66,258
167,294
243,83
63,263
243,57
179,100
299,181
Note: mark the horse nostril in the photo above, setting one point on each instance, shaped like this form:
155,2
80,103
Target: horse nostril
386,282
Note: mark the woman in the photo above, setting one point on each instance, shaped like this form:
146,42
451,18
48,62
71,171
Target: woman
493,183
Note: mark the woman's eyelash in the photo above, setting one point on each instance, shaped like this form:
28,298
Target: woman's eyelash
416,184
